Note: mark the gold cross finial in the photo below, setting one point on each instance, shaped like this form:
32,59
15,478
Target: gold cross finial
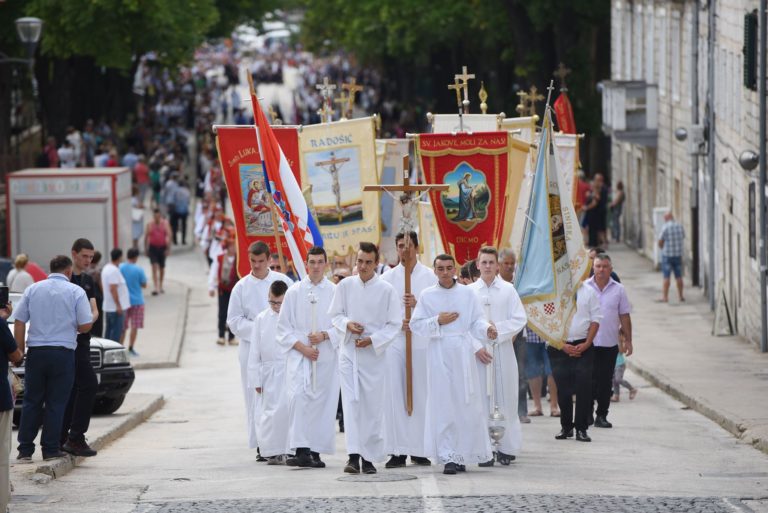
326,88
273,116
344,105
465,77
522,107
533,98
456,86
483,95
560,73
353,88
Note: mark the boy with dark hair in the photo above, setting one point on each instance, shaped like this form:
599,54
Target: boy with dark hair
135,280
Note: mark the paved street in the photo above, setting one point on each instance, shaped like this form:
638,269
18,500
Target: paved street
191,456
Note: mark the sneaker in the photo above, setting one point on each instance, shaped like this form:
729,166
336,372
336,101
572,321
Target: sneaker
220,341
233,342
316,461
24,458
395,462
368,467
353,465
488,463
461,468
276,460
450,469
422,462
300,460
525,419
79,448
259,457
504,459
132,351
47,456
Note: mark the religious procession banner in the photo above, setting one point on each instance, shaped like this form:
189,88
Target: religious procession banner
568,152
553,261
337,159
389,154
564,113
244,176
450,123
478,170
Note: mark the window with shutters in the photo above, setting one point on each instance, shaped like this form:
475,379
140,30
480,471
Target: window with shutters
750,50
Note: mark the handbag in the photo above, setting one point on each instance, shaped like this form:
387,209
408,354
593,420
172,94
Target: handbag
17,385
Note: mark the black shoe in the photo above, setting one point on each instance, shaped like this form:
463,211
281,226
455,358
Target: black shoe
341,426
602,422
53,455
368,467
563,434
24,458
504,459
300,460
582,436
418,460
353,464
488,463
450,469
79,448
316,461
259,457
395,462
461,468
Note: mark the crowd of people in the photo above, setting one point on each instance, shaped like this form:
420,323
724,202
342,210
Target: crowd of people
302,342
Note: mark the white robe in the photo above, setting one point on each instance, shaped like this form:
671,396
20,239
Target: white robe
508,315
312,413
266,370
248,299
405,434
456,428
375,305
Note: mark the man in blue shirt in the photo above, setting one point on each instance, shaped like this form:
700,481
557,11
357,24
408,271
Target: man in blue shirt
10,352
135,279
671,242
56,311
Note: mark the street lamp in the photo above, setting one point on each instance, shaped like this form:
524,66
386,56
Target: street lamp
29,30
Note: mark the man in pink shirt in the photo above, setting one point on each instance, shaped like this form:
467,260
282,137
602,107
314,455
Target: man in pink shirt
615,307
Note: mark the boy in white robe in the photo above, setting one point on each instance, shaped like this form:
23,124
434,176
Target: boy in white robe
266,375
405,433
366,312
312,400
501,302
451,315
248,299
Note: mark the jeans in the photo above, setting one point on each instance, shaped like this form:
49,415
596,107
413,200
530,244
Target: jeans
519,346
602,378
179,223
49,375
223,306
77,416
573,376
115,325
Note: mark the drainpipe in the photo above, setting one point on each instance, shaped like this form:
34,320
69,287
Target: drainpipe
761,79
712,255
695,157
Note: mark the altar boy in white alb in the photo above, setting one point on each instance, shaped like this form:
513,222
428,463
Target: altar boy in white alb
266,375
405,433
503,308
450,315
312,379
366,312
249,299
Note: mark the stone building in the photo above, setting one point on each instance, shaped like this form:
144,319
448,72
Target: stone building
671,60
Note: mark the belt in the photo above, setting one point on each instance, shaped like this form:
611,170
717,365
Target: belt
574,342
50,348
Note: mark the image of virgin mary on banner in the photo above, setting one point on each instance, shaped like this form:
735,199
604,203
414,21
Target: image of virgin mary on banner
477,168
244,176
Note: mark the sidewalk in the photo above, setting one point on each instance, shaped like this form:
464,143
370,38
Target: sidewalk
723,378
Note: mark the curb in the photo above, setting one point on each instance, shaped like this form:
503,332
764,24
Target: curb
178,337
666,385
60,467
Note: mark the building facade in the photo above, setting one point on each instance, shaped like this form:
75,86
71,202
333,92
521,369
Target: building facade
681,107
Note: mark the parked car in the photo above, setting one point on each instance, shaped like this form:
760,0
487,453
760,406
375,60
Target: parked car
114,373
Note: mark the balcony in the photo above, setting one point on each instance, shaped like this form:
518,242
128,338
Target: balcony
630,111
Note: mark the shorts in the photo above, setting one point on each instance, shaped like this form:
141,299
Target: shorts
157,255
134,316
536,360
671,265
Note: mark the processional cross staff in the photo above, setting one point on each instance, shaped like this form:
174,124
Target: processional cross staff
465,77
352,88
326,90
406,225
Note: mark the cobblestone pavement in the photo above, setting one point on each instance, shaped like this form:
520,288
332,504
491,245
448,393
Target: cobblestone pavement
464,504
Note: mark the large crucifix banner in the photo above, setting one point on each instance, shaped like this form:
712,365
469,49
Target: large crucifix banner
244,176
484,171
336,160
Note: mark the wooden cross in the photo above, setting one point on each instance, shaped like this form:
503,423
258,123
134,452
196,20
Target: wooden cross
344,108
326,90
408,190
456,86
533,97
561,72
352,88
465,77
522,107
333,167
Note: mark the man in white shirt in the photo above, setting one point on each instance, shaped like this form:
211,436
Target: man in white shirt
117,301
572,366
405,433
366,313
248,300
305,331
451,315
504,310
